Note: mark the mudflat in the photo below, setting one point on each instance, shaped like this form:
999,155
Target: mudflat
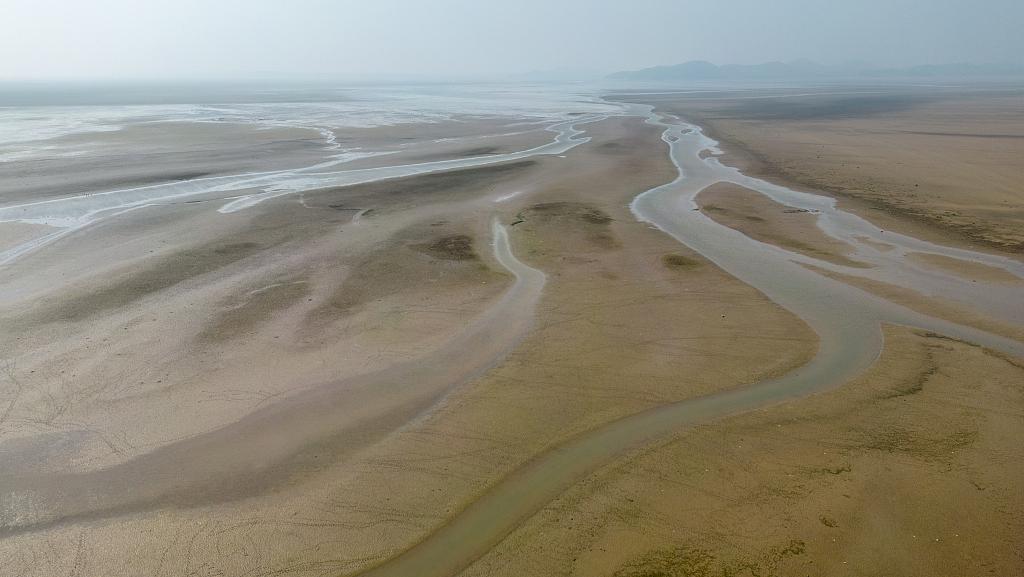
333,380
940,163
309,293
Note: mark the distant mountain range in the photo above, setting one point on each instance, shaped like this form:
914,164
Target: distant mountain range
806,69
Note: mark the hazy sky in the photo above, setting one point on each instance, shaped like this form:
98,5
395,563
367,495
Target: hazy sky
446,38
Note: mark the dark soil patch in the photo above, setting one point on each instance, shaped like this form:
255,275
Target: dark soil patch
455,247
698,562
245,317
679,262
162,274
574,210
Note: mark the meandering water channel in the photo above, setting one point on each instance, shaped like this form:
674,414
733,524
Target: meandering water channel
848,322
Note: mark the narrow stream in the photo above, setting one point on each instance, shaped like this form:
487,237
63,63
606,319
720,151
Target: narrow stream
847,320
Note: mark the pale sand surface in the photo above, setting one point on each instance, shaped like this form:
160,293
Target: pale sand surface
15,233
192,316
207,389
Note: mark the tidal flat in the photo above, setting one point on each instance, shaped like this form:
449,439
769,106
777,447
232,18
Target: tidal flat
644,335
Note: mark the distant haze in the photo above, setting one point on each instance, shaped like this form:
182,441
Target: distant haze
443,39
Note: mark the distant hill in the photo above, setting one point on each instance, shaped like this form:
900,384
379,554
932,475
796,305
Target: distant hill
804,69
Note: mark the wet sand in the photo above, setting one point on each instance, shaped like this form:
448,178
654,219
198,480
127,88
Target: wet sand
970,270
361,376
571,222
